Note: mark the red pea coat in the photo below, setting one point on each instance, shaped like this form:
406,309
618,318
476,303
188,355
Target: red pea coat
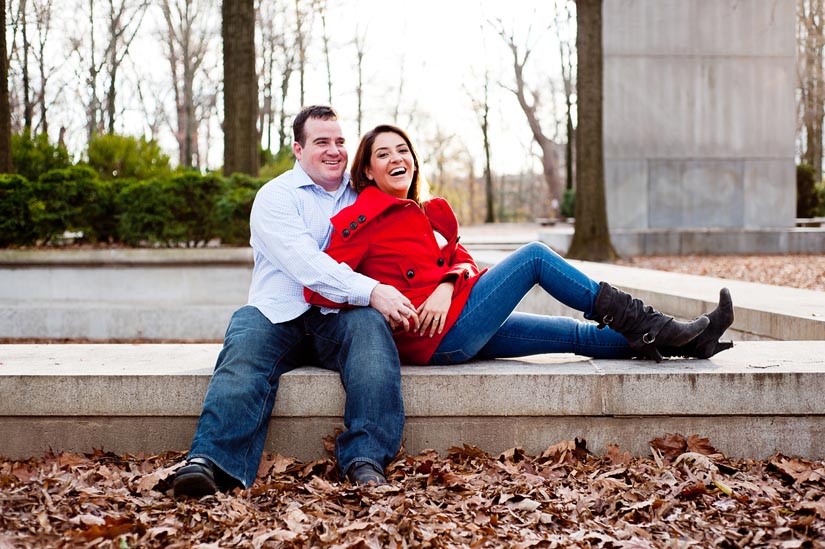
392,241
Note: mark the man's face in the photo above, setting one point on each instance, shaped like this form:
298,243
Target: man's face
323,156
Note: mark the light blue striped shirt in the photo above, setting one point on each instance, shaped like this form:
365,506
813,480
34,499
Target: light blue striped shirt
290,227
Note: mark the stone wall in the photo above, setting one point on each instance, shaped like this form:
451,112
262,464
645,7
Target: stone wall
699,113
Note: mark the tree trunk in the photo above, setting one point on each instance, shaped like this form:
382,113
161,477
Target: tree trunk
110,99
300,42
360,49
566,59
322,8
814,92
488,172
591,238
28,110
240,94
283,138
5,107
45,22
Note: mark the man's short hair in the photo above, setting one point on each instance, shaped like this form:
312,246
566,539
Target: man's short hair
322,112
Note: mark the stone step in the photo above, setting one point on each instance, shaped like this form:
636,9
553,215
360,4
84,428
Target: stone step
751,401
190,294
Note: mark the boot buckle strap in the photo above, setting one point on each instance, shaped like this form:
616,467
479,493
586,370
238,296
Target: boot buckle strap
647,339
606,320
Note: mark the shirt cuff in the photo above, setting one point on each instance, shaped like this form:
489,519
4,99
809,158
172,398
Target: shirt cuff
362,287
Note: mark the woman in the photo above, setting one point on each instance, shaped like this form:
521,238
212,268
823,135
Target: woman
397,235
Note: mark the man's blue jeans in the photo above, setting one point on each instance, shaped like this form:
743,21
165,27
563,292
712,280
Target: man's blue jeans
356,343
488,327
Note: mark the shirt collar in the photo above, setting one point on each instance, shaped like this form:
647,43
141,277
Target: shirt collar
301,179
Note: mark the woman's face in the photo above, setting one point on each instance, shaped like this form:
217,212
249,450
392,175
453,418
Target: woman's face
391,164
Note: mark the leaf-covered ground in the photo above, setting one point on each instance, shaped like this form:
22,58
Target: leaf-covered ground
684,495
806,271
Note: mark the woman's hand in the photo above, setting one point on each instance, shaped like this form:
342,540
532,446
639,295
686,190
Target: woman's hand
432,314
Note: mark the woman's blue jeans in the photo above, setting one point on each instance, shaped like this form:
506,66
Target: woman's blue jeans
356,343
488,327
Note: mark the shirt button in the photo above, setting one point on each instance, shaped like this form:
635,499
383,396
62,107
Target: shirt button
362,218
353,225
345,232
440,261
410,273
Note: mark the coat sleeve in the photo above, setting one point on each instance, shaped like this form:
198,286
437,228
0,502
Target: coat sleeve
350,252
280,233
462,264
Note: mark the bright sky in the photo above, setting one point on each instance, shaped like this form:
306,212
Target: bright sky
442,47
439,49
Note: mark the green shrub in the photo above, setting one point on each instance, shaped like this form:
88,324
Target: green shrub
568,203
234,207
170,211
16,226
146,213
820,191
34,157
808,200
72,199
196,196
125,157
273,165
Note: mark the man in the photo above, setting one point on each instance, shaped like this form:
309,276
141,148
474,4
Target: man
277,331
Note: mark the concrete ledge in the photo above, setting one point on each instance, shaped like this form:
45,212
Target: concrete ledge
630,242
763,312
132,257
188,295
754,400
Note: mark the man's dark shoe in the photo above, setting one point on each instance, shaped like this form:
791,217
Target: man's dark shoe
364,472
195,479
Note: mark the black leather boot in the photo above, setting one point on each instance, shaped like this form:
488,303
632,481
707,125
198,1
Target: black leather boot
196,479
644,327
707,343
364,472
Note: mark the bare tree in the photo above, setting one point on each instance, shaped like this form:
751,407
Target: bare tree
188,40
29,52
153,98
591,238
43,21
481,106
303,25
124,22
93,69
439,149
278,63
530,107
321,8
240,87
360,42
286,73
5,107
564,19
28,109
810,42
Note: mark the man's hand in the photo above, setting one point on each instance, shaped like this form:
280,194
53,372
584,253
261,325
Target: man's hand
394,306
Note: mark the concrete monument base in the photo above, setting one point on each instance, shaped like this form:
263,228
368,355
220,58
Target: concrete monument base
728,241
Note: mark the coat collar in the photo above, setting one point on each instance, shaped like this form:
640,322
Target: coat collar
370,204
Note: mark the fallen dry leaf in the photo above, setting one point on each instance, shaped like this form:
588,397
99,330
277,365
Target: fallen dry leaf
565,497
